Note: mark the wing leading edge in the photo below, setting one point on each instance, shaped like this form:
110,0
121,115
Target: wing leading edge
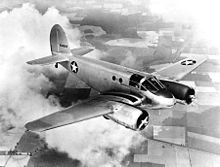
181,68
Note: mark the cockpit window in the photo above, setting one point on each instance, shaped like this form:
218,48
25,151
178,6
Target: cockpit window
151,84
155,82
146,85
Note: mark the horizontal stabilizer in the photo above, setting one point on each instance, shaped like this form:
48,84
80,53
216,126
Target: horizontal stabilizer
81,51
48,60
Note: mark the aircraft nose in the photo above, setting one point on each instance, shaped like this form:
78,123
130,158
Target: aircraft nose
165,98
164,93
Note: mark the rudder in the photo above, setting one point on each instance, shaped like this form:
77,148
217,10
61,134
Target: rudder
58,40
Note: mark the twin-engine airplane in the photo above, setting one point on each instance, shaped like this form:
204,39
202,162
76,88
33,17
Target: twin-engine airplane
125,94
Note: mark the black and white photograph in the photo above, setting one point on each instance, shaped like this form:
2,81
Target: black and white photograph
109,83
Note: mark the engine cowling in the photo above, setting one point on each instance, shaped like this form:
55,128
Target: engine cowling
128,114
180,91
130,117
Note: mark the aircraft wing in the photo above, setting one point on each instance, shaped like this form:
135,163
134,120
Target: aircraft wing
178,70
91,108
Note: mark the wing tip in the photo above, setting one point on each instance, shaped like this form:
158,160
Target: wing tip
35,126
29,127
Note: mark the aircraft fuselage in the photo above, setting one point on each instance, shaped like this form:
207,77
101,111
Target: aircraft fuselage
104,76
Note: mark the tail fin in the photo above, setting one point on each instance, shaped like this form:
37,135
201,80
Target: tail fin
59,49
58,41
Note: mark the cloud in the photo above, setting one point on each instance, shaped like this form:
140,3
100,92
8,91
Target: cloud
203,15
95,142
24,36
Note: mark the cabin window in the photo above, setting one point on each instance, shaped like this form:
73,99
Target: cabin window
120,80
113,78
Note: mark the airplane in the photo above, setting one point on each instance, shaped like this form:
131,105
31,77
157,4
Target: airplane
125,94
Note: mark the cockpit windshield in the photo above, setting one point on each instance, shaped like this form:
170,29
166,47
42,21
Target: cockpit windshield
152,84
156,82
146,85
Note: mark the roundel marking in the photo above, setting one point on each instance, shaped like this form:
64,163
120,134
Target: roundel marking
188,62
74,67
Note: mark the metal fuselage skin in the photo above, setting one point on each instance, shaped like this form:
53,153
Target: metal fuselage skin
104,76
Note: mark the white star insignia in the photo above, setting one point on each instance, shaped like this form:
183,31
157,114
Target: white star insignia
188,62
74,67
144,122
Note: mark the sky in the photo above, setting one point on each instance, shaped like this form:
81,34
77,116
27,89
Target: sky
204,14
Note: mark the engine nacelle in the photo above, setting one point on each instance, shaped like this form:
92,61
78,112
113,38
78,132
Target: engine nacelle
180,91
128,114
130,117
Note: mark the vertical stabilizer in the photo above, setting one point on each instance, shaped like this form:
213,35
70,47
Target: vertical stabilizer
58,40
